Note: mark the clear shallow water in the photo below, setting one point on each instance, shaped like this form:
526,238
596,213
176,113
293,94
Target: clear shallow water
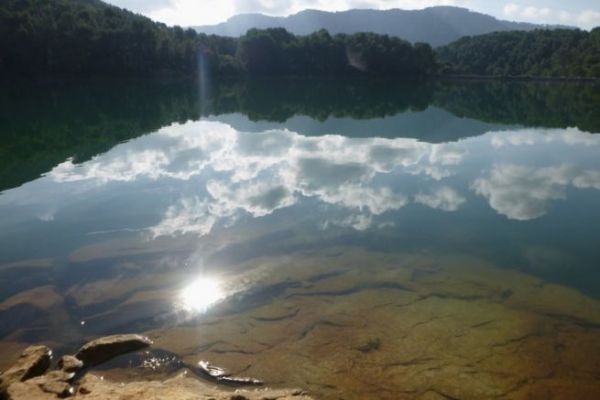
356,239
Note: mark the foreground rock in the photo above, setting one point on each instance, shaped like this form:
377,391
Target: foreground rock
34,361
28,379
181,387
70,364
103,349
55,384
219,375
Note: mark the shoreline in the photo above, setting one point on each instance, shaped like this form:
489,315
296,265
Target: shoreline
53,79
36,376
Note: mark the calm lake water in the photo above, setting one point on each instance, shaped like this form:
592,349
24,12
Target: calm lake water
366,239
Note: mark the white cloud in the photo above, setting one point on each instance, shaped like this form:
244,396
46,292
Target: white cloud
189,215
583,18
536,13
588,18
257,198
521,137
511,9
193,12
443,198
212,174
524,193
258,173
200,12
206,12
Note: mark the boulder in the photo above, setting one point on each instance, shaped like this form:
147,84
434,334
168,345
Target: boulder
70,363
103,349
34,361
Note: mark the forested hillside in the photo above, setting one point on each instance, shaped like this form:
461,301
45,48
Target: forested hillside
277,52
89,37
540,53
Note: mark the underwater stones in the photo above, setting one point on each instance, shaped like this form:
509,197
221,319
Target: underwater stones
105,348
33,362
369,346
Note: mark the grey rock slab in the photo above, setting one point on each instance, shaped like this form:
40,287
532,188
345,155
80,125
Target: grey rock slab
103,349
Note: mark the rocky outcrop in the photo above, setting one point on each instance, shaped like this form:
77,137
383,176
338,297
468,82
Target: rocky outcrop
28,379
55,384
34,361
103,349
181,387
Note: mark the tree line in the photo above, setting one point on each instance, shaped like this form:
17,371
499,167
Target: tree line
90,37
539,53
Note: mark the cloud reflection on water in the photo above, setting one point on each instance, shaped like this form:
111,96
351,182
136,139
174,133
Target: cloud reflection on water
524,193
227,173
258,173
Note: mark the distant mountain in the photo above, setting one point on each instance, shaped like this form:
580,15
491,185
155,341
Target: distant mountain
434,25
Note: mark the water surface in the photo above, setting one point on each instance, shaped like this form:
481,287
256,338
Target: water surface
364,239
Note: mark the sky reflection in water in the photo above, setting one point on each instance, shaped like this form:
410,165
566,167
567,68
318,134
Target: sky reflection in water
195,177
201,294
415,169
278,232
212,174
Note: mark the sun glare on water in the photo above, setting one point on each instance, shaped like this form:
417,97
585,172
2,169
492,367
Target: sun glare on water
201,294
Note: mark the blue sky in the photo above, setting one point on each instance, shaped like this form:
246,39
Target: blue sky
581,13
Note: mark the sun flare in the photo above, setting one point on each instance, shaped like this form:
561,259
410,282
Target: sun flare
201,294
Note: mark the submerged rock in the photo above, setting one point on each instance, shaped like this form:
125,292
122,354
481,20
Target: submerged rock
221,376
34,361
105,348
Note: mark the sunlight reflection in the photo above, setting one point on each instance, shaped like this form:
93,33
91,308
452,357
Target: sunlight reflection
201,294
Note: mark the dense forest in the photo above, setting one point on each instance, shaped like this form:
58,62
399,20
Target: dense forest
276,51
92,38
89,37
539,53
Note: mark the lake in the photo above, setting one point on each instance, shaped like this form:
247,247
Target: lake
358,239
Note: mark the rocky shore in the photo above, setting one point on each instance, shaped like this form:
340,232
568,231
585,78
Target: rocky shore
33,377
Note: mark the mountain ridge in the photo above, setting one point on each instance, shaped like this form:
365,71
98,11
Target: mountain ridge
437,25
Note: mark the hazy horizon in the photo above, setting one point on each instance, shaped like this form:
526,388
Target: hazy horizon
584,14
